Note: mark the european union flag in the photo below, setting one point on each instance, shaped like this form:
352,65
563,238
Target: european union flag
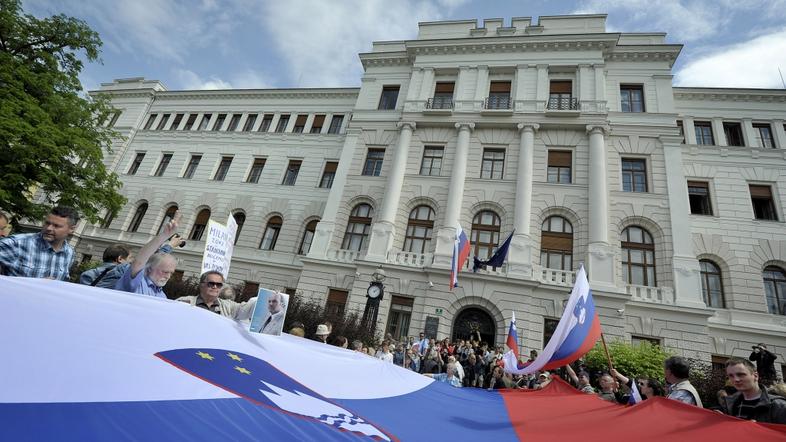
497,259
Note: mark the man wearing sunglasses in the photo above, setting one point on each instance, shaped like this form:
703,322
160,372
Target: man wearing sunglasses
210,285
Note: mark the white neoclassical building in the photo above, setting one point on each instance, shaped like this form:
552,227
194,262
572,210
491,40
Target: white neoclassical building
567,136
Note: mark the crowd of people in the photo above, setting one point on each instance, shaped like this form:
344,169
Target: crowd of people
751,392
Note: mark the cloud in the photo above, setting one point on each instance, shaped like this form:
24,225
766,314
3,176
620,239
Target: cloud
686,20
319,41
751,64
161,30
189,80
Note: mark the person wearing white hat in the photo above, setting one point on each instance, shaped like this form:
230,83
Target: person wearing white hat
322,333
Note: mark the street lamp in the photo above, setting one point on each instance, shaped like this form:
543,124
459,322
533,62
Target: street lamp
374,294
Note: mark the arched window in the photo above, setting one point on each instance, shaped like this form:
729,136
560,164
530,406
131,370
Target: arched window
272,230
485,233
138,216
240,219
200,225
308,236
775,289
638,257
711,284
358,227
556,243
419,227
168,215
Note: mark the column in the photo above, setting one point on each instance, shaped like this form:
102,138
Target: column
323,237
751,140
482,83
384,229
780,133
718,133
600,87
685,266
542,85
447,233
601,257
689,130
520,253
427,85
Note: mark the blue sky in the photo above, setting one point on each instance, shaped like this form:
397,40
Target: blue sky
215,44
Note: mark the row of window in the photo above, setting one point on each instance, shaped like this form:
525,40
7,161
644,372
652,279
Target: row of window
499,97
225,162
636,244
253,122
733,133
269,238
761,195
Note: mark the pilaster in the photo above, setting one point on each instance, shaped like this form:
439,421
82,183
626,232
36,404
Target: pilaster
520,253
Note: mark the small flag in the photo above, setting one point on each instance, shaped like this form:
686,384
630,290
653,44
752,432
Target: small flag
461,248
497,259
513,342
635,396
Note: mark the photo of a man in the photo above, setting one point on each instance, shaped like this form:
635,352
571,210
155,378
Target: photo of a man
270,311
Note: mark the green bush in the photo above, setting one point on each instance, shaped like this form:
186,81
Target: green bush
77,269
311,313
643,359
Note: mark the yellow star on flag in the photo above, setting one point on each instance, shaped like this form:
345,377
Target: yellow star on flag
234,357
204,355
242,370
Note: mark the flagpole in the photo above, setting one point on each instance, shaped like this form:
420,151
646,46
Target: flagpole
606,349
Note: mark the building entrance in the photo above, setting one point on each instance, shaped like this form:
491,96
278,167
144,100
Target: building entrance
473,321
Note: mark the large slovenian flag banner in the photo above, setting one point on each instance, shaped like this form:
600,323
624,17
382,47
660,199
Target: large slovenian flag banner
577,332
82,363
461,248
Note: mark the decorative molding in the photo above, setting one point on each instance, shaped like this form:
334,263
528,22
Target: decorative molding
730,95
533,127
463,124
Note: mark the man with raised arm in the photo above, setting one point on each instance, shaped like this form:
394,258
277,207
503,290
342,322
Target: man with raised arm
150,271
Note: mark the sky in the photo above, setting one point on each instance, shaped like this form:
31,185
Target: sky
220,44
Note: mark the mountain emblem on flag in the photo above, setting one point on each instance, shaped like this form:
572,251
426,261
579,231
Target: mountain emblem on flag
263,384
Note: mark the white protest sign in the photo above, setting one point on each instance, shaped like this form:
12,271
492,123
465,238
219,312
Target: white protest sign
232,231
218,249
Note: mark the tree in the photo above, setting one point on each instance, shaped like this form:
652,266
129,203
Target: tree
52,138
643,359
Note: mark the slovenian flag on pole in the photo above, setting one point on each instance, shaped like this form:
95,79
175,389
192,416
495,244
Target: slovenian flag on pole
461,248
577,332
513,341
635,396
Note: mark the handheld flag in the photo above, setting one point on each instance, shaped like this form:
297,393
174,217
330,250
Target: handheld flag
577,332
497,259
461,248
635,396
513,341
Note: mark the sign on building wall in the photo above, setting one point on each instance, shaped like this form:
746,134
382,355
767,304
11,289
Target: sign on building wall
218,248
432,324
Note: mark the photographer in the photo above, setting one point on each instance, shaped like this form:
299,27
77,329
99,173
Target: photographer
765,364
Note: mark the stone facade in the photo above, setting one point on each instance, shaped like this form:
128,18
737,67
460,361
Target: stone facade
524,94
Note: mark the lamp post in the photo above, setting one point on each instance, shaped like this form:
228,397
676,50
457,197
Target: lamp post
374,294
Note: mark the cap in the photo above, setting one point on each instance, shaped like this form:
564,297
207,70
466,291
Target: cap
322,330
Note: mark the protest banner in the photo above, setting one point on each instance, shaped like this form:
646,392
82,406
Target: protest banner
218,248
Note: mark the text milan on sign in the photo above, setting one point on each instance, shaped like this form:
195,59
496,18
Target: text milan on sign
218,248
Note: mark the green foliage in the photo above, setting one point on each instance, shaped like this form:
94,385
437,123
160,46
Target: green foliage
643,359
78,269
52,138
311,314
707,381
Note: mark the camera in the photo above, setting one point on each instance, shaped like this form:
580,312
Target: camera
181,244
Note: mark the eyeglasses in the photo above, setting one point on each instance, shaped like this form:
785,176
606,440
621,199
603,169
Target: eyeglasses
214,285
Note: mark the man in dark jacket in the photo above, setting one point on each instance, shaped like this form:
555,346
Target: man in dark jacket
765,363
751,402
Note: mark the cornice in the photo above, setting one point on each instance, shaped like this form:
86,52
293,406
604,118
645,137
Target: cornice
250,94
668,53
135,93
393,58
510,45
719,94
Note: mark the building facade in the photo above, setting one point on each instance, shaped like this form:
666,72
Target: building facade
569,138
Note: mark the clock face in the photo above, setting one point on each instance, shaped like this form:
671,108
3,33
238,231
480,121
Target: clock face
374,291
